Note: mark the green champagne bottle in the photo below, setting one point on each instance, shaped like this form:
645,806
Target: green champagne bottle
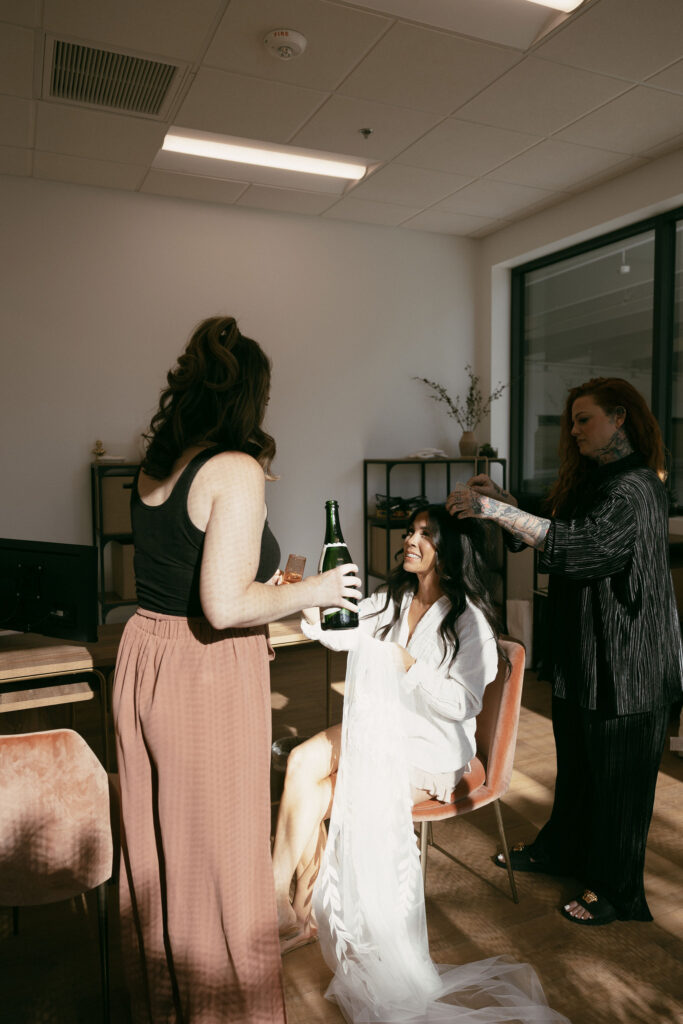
334,553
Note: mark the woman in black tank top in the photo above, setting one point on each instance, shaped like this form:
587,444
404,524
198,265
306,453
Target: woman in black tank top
192,696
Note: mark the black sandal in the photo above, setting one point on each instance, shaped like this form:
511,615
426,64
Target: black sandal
600,909
521,859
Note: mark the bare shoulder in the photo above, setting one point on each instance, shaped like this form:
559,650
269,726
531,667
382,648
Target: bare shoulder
228,481
228,470
233,462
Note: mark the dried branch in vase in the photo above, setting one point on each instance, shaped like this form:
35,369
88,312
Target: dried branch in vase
470,411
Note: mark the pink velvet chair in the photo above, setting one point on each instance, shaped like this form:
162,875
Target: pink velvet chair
55,828
489,779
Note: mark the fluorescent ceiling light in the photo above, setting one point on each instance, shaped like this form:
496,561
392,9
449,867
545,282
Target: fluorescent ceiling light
245,151
559,5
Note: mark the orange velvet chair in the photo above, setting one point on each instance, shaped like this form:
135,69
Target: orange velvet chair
489,779
55,827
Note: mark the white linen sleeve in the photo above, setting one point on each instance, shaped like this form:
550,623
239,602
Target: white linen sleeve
456,690
368,620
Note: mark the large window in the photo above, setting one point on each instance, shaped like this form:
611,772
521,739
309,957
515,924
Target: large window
676,440
609,308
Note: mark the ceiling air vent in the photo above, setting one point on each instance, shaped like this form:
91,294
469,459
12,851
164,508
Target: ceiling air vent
104,78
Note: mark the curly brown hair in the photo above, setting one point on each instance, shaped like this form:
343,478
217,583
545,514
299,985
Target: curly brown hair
217,394
641,427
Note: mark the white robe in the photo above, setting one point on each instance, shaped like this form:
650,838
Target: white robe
368,899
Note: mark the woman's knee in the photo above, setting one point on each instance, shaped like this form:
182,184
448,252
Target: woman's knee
312,761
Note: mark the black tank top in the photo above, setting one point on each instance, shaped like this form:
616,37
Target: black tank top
168,548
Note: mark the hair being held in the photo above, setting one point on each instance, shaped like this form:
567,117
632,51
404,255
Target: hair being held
216,394
463,565
640,426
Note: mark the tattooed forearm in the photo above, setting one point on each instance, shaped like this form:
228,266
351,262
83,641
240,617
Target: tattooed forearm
532,530
616,448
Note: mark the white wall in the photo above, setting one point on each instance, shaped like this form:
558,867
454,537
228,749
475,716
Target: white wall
101,288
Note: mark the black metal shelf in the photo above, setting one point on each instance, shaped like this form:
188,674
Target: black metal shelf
99,471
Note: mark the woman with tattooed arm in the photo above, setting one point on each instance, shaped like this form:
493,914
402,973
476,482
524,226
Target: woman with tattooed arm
613,639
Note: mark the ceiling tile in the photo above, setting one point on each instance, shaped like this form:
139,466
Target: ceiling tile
335,128
416,67
465,148
187,186
448,223
96,134
286,200
171,28
487,198
16,118
540,97
628,38
556,165
497,21
337,39
366,212
633,123
671,78
21,12
16,61
410,186
247,107
14,160
105,173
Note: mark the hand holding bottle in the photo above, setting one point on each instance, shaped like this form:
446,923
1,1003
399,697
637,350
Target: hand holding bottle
339,588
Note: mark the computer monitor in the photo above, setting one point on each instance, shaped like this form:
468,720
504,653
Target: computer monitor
49,588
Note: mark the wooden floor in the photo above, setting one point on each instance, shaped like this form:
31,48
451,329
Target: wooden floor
625,973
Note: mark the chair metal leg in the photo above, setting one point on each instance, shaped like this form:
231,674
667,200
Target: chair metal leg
104,948
424,844
104,718
506,854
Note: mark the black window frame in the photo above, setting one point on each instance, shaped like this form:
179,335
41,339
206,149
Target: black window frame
664,227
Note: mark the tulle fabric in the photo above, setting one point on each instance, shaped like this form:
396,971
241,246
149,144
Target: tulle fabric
369,901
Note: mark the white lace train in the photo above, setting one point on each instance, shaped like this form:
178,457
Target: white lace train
368,899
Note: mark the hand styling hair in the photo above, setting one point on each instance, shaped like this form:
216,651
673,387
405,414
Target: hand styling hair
217,394
642,430
464,571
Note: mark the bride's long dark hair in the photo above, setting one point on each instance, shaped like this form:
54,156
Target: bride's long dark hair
463,565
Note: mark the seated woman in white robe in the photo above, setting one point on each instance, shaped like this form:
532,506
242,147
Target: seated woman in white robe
436,611
418,666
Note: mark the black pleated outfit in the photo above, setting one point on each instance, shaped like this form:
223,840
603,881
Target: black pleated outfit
613,650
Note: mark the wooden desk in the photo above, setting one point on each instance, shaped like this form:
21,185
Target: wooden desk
29,664
287,633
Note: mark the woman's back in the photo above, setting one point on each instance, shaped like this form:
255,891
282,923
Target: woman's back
169,519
